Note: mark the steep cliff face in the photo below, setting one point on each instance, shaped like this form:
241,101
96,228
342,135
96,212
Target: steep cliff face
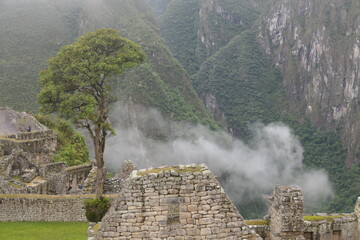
316,45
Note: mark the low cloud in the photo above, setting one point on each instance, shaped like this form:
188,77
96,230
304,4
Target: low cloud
273,156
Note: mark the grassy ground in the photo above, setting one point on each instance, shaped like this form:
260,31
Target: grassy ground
43,230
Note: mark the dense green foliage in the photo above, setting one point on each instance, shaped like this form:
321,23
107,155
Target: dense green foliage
194,32
245,83
43,230
78,84
178,26
161,81
72,147
95,209
323,150
159,6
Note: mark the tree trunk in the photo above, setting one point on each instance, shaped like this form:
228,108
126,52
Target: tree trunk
99,158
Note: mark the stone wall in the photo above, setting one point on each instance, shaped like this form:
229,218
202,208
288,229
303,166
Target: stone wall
286,213
75,176
340,228
179,202
286,220
37,148
48,208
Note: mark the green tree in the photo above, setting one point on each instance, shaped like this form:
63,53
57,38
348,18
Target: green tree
77,85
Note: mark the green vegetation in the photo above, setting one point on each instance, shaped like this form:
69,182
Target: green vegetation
243,80
178,27
78,82
257,222
183,28
43,230
42,28
248,89
50,197
329,218
158,6
31,33
72,147
95,209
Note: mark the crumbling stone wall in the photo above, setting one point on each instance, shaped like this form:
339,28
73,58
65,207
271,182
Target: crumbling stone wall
286,213
340,228
286,220
76,175
37,147
50,208
182,202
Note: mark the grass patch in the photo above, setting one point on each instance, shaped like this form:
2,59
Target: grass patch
43,230
175,168
39,196
257,222
322,218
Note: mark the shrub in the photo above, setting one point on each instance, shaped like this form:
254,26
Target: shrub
95,209
72,148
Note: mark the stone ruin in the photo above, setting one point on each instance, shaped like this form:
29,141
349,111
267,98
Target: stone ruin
173,202
286,220
26,164
178,202
26,161
188,203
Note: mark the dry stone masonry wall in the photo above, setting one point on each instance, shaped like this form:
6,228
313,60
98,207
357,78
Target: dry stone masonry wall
286,220
286,211
33,208
182,202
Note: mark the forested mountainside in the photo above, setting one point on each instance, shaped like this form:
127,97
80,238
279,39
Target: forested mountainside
33,31
246,58
249,60
316,46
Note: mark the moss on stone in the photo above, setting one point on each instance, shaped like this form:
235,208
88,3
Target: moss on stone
178,169
329,218
257,222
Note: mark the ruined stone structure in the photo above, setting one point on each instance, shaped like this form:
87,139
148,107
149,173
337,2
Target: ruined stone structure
48,208
286,213
187,202
286,220
182,202
26,164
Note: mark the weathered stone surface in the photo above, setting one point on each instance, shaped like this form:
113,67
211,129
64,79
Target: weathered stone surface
286,213
149,210
49,208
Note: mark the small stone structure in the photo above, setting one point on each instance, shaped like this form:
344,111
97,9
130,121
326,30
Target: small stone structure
286,220
286,213
177,202
48,208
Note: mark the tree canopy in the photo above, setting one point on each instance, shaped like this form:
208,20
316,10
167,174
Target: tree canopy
78,81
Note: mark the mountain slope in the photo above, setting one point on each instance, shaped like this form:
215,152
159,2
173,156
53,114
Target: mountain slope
32,31
316,46
196,29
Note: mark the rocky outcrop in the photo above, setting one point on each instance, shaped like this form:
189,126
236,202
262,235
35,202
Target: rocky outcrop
316,46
